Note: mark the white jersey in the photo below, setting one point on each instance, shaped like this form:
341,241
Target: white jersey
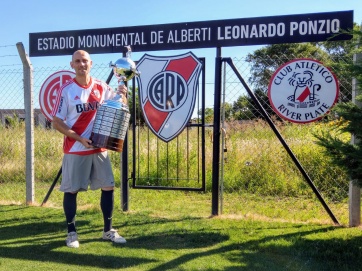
77,105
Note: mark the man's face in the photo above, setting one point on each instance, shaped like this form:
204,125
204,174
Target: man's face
81,63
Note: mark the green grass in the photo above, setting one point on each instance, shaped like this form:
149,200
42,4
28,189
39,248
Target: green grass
271,220
168,230
253,155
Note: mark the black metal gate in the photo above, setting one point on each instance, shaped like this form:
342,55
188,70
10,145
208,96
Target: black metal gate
175,165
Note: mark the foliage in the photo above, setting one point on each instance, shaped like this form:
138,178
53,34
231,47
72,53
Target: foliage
268,59
139,115
349,115
13,121
342,152
245,108
338,55
209,115
253,152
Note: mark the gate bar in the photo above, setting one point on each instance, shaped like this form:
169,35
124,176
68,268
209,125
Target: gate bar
281,139
199,126
216,136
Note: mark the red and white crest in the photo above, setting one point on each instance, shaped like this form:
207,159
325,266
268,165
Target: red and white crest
49,90
167,92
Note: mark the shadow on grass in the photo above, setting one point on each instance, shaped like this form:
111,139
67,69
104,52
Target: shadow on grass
26,237
240,246
38,242
32,233
281,252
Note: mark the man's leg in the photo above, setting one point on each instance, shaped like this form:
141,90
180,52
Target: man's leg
107,202
70,209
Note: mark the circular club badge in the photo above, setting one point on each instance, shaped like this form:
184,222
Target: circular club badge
303,90
49,90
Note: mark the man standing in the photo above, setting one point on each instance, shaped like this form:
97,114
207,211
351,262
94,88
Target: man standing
83,165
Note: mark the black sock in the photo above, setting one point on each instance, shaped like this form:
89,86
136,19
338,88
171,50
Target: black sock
107,201
70,209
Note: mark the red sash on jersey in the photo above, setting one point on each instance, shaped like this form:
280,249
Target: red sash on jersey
85,117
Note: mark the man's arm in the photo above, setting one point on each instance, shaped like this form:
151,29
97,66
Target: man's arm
59,125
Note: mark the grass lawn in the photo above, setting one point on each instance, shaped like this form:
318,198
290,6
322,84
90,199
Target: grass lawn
175,232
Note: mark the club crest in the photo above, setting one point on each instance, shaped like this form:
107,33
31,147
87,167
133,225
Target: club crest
303,90
167,92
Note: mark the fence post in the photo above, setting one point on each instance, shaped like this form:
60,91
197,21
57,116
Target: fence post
29,122
216,137
354,189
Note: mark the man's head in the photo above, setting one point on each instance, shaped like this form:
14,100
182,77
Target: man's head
81,63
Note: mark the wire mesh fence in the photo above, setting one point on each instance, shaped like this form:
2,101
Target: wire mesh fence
256,168
264,168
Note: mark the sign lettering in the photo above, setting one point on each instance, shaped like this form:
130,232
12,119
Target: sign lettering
311,27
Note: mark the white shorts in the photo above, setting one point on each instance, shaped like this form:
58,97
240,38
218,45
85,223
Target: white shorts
82,171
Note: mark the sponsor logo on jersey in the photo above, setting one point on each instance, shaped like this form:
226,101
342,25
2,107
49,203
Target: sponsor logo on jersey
85,107
167,91
303,90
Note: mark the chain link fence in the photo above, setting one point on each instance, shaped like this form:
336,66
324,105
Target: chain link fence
265,171
256,168
12,143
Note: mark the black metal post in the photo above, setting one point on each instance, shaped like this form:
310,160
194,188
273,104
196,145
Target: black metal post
52,186
124,180
216,136
203,143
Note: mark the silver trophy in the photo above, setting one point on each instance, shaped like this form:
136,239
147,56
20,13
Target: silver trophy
112,118
124,68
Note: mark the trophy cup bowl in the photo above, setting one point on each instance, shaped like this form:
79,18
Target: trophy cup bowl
124,68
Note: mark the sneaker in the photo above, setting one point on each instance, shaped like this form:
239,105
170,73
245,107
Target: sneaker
72,239
113,236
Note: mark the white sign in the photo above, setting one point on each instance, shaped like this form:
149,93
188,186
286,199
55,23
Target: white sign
168,91
303,90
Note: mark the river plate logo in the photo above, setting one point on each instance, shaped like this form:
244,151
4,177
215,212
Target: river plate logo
303,90
167,91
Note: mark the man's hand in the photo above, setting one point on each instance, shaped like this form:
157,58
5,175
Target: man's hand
86,142
122,90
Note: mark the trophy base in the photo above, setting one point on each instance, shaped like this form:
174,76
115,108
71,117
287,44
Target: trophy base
110,143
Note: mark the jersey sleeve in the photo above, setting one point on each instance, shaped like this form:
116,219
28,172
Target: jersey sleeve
61,105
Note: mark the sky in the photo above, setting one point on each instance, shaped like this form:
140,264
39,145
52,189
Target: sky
21,17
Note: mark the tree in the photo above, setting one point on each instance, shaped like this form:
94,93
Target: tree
209,114
245,108
242,109
139,118
349,116
265,61
334,54
341,61
228,111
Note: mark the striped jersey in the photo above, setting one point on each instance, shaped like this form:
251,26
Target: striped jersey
77,105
